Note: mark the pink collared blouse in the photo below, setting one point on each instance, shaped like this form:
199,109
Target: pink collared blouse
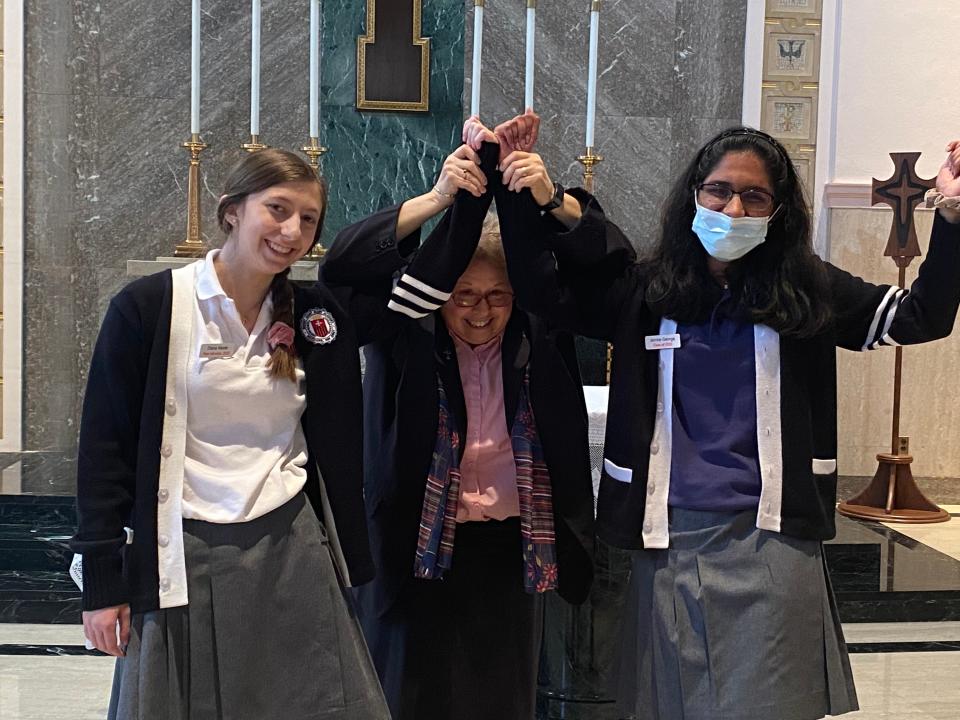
488,485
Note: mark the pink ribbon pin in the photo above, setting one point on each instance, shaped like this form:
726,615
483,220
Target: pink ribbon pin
280,334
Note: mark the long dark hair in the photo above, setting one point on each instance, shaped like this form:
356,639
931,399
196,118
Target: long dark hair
254,173
781,283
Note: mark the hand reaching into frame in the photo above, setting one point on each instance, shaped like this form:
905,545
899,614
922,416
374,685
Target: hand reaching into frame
948,179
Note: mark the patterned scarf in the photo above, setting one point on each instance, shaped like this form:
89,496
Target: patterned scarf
438,519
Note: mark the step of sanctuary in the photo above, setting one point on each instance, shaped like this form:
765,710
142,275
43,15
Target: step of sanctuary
35,585
879,574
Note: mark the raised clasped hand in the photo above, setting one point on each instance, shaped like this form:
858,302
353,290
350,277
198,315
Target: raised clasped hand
461,171
475,133
526,170
518,133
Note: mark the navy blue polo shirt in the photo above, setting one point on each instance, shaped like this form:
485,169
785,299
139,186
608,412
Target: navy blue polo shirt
715,463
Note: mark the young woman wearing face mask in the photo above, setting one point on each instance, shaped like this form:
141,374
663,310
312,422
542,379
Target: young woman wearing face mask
222,418
478,482
720,456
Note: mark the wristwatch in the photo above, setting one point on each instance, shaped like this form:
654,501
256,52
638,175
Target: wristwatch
557,199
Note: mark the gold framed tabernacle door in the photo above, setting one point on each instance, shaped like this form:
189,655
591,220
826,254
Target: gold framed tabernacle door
393,61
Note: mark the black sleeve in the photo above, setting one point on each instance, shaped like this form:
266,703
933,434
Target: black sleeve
360,267
106,460
380,274
576,278
430,277
368,253
869,316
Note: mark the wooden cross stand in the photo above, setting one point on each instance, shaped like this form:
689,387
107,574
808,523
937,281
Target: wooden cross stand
893,495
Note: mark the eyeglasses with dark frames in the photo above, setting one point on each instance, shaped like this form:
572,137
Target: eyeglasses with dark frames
716,196
471,298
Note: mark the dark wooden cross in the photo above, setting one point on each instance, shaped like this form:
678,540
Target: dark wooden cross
903,191
893,495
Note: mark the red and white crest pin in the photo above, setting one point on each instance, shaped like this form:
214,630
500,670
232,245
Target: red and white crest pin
318,326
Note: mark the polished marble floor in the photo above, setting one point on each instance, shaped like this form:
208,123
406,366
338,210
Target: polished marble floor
891,686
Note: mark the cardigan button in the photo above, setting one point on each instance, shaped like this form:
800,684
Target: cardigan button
171,406
654,449
163,540
163,495
651,488
648,527
166,450
767,431
659,407
164,584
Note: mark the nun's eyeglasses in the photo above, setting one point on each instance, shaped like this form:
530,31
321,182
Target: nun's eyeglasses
471,298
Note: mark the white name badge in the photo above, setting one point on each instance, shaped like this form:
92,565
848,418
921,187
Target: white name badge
662,342
217,350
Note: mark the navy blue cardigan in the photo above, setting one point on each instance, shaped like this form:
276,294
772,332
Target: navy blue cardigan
120,434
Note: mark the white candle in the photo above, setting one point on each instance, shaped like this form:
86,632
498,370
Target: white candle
477,46
314,68
531,39
592,71
195,69
255,68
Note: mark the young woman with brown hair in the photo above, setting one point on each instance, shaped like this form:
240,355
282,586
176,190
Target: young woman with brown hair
222,419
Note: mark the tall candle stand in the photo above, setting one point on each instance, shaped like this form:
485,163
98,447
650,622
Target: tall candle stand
253,145
193,245
589,161
315,151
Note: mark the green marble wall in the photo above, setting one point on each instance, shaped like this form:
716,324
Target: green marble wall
378,158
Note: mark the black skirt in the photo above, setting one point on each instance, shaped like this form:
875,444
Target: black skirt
465,647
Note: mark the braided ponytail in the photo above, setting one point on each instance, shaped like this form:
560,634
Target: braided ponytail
283,358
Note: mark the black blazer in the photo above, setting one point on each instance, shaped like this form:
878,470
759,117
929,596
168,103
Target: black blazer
400,396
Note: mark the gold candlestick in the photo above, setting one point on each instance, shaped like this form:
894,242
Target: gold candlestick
253,145
589,161
193,246
314,151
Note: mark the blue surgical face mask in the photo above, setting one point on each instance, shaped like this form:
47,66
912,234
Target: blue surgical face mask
727,238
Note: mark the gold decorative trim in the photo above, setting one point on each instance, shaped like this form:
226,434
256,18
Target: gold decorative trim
423,43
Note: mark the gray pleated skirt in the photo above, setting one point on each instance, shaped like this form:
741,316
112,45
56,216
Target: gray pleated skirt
732,623
268,632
